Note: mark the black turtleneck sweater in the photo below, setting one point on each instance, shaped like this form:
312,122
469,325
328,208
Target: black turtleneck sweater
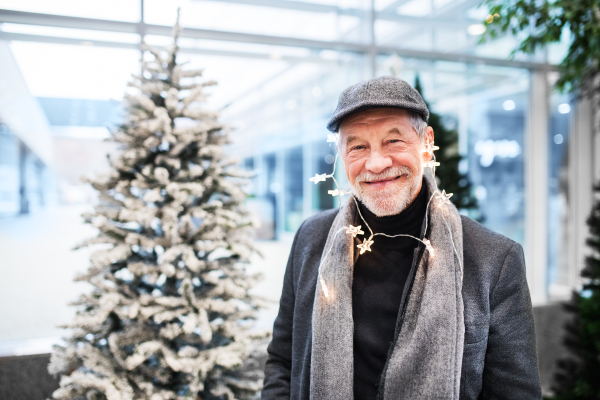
379,280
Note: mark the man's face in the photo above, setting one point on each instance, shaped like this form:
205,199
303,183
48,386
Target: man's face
383,158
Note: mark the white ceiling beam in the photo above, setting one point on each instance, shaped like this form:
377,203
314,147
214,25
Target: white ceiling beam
23,37
19,17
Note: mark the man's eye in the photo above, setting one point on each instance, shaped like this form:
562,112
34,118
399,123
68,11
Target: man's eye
360,147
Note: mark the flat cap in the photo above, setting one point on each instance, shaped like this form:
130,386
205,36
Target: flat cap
385,91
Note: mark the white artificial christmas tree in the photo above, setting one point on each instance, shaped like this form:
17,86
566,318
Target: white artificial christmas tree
170,312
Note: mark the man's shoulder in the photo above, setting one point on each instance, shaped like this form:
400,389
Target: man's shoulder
310,240
318,223
313,232
481,243
476,231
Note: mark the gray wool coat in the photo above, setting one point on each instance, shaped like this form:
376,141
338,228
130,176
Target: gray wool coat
499,357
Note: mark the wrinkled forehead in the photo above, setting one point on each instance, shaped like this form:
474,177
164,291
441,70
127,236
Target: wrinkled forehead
372,116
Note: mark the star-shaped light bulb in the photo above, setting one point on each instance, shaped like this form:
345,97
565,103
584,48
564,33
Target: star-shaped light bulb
365,246
318,178
324,287
354,230
332,137
431,164
429,148
429,247
444,197
337,192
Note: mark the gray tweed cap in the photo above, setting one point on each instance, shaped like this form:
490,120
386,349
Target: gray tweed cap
385,91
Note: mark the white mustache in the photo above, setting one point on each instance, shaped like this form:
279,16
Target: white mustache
387,174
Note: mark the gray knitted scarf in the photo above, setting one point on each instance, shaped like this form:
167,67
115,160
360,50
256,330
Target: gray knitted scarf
427,356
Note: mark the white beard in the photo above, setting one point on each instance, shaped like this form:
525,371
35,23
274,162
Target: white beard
391,200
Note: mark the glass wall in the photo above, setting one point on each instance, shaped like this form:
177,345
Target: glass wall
280,67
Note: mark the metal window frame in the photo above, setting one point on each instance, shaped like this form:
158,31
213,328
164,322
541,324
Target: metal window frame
536,188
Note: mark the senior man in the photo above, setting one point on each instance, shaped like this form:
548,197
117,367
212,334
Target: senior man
396,295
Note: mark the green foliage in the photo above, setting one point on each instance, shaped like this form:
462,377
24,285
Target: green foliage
579,375
450,178
545,22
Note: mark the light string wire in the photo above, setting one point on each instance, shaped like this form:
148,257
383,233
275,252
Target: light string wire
366,244
444,218
321,280
332,175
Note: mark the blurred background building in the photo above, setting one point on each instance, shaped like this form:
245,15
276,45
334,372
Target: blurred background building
280,65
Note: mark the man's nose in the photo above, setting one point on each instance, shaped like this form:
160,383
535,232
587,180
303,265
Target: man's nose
377,162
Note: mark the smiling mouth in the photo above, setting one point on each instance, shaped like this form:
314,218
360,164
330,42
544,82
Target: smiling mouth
384,180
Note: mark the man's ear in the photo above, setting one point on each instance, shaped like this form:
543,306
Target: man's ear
428,138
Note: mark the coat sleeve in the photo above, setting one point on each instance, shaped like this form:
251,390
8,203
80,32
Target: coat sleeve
278,367
511,365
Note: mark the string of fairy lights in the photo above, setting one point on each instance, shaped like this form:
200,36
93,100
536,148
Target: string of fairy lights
442,198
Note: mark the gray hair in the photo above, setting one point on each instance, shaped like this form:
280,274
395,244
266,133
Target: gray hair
416,121
418,124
